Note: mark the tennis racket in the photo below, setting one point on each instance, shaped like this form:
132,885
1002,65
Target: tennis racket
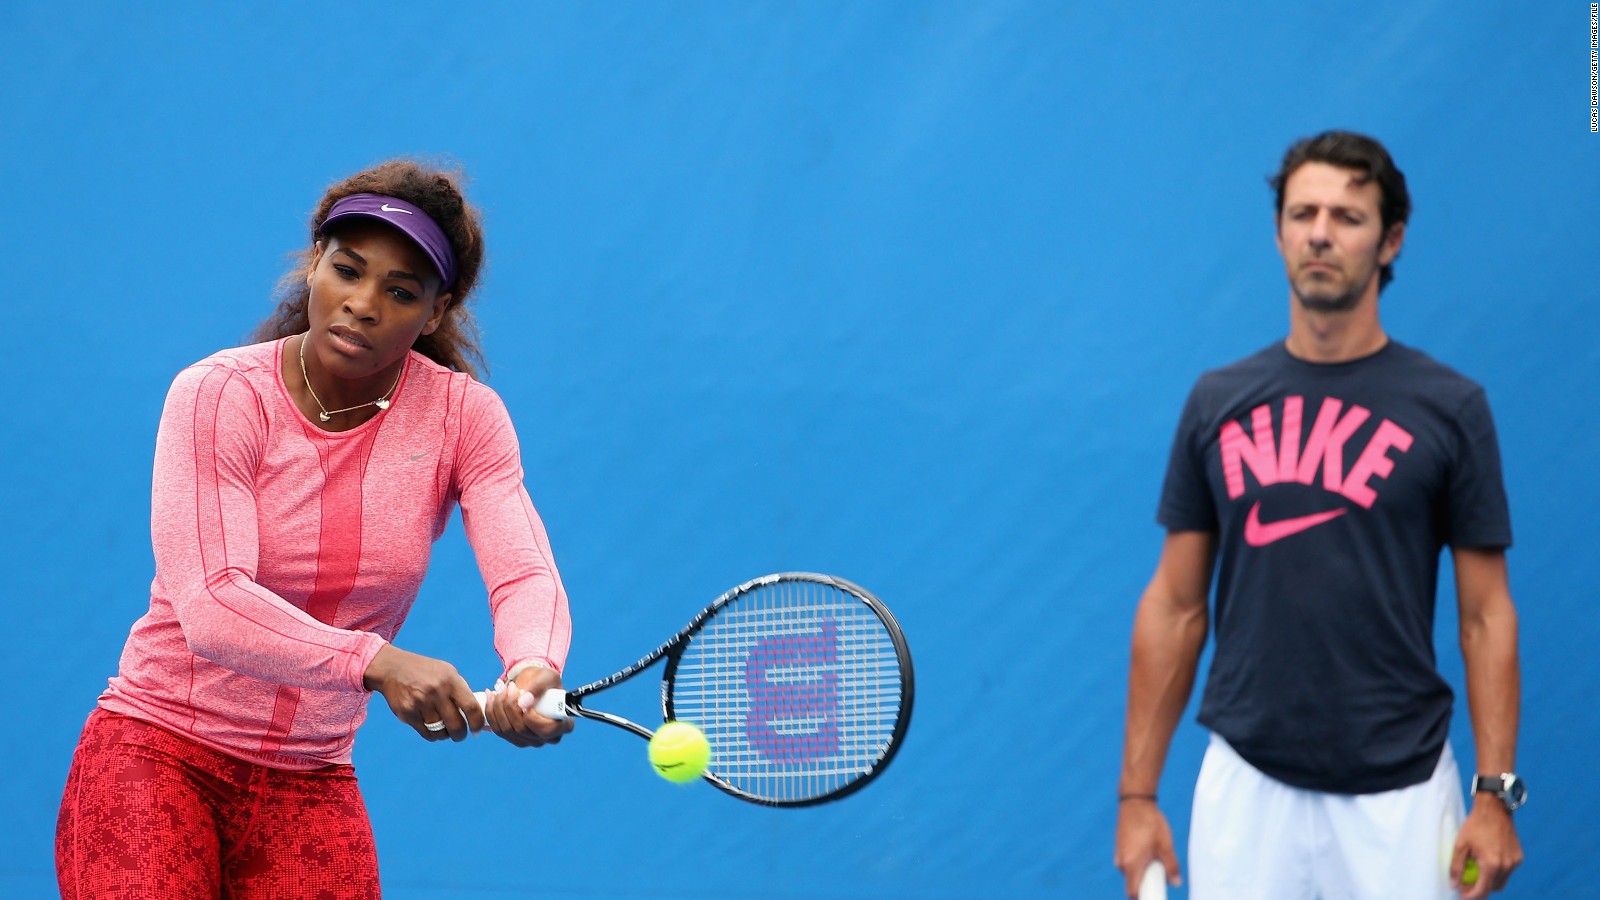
802,684
1153,886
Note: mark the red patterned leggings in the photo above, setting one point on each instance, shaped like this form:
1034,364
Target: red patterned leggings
148,813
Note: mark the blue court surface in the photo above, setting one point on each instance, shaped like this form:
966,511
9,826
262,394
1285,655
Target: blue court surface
910,293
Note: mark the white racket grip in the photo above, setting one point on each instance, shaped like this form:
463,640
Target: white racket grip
1153,886
552,704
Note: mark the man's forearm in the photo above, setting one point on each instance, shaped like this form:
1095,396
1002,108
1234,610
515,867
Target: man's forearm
1166,653
1494,688
1489,651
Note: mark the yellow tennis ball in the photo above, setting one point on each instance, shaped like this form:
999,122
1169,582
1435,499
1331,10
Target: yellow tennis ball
679,752
1469,872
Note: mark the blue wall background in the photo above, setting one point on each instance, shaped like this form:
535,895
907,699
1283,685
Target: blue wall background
910,293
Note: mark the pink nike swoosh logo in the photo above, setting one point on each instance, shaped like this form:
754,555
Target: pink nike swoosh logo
1259,535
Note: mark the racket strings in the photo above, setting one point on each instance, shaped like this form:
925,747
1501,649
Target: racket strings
797,686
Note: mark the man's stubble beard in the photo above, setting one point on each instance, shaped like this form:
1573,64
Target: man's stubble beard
1343,302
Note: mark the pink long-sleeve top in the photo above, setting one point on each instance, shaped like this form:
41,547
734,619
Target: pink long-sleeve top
286,556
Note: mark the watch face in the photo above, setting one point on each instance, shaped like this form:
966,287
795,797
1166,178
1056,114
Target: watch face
1516,793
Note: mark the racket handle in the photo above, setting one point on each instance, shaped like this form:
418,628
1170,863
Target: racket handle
552,704
1153,886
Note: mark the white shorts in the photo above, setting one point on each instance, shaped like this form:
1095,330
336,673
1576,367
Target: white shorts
1254,838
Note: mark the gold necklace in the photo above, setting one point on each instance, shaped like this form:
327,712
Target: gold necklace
325,414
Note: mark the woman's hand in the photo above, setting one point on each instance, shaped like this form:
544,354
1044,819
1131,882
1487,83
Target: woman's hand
525,727
422,690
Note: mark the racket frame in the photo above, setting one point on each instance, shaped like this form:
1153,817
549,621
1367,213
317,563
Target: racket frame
672,648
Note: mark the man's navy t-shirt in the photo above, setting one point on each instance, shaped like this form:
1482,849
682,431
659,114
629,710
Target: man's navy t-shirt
1332,489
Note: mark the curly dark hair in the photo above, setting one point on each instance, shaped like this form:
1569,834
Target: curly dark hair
435,190
1359,153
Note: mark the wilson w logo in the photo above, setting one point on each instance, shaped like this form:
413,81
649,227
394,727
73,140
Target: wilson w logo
1288,461
794,695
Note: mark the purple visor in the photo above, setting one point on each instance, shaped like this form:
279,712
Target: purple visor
411,221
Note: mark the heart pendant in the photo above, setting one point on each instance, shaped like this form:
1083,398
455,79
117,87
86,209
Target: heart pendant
323,416
381,404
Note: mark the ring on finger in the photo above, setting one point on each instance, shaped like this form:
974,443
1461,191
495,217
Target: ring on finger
434,726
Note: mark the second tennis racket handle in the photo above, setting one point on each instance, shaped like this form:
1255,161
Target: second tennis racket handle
1153,886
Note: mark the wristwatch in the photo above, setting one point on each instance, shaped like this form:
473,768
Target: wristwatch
1507,786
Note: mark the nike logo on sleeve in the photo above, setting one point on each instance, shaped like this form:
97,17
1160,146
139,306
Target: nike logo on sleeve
1257,534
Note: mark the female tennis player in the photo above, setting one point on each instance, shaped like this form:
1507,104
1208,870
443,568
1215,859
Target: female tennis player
299,484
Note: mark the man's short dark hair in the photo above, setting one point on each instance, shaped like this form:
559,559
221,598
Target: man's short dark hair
1362,154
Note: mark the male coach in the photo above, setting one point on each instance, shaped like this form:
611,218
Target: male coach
1321,478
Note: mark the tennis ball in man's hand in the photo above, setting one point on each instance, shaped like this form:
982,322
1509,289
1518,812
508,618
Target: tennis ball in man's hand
679,752
1469,872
